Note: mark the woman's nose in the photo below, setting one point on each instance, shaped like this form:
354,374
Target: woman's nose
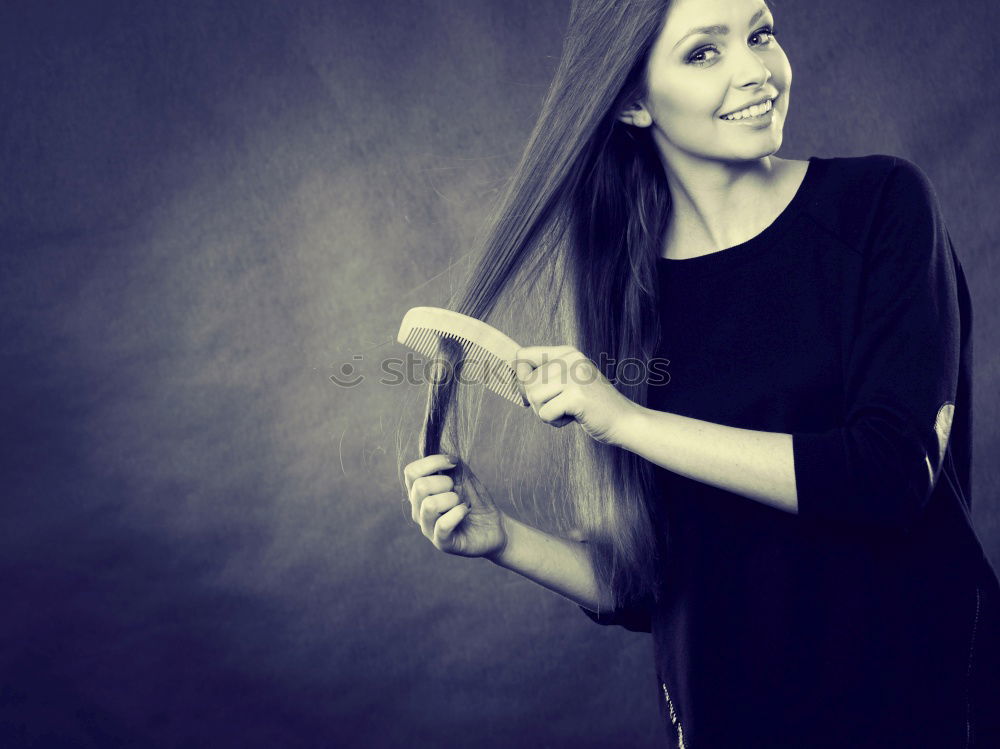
752,71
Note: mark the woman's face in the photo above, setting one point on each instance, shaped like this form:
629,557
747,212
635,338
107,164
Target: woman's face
711,59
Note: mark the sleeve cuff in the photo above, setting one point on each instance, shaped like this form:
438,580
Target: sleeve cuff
821,485
827,491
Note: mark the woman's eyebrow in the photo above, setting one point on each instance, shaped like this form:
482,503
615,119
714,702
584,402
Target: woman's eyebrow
720,29
713,30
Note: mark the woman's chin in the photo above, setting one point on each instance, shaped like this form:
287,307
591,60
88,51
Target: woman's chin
764,147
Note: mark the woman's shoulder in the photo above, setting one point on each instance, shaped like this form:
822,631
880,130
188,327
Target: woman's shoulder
853,194
873,171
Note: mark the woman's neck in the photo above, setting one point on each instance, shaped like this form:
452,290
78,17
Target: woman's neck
715,206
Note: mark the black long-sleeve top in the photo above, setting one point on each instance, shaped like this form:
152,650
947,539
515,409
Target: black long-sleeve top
869,617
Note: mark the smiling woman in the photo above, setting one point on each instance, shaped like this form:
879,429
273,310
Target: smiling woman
788,515
690,84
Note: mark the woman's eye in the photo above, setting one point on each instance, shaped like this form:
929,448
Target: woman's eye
699,56
763,31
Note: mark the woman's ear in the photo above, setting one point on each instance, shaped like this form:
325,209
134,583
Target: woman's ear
636,115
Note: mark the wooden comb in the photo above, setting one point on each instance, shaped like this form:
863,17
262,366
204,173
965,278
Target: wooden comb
487,355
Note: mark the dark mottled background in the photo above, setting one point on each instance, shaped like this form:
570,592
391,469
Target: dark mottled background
205,209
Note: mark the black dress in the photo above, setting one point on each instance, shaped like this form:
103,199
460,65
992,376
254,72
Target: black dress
871,617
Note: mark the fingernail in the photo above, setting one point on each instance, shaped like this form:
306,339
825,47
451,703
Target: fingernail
453,459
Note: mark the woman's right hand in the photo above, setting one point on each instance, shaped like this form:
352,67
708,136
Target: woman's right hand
475,529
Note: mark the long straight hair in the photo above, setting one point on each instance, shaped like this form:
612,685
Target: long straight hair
588,205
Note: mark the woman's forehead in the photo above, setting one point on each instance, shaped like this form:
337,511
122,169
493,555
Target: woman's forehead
718,17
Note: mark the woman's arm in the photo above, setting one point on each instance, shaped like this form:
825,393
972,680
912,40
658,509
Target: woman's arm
757,465
476,527
559,564
563,385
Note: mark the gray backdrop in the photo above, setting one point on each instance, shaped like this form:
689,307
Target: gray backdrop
206,209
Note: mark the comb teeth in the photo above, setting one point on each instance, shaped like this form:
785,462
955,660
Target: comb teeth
498,375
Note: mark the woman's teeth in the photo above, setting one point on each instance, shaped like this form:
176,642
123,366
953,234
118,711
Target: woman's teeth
755,111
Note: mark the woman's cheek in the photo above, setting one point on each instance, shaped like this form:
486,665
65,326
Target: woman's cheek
781,69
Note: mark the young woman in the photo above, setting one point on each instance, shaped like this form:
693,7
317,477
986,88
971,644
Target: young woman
788,513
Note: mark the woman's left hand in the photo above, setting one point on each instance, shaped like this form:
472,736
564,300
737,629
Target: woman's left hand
563,385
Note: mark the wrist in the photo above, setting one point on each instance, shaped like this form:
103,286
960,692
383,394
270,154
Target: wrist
629,427
498,556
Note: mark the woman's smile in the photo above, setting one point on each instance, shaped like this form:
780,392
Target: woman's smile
756,121
754,111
